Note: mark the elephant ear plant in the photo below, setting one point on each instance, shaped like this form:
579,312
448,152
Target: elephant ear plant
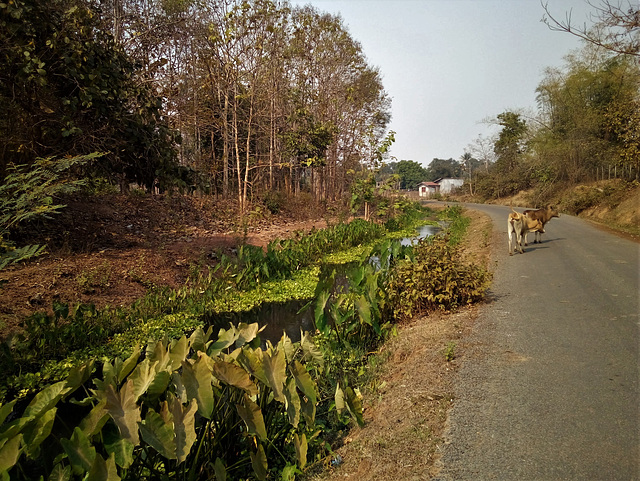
195,408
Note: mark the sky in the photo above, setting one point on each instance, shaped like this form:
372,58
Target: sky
449,65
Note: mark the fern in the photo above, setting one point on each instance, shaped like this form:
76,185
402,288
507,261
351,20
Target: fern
28,193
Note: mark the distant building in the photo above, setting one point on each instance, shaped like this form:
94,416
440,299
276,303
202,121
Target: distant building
448,185
428,189
440,186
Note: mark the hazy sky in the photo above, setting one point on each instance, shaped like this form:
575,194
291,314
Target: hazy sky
450,64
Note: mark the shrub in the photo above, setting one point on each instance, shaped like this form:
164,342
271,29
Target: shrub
436,279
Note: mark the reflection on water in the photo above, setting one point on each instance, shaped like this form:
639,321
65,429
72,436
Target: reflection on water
290,317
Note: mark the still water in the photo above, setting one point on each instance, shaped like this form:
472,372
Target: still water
291,317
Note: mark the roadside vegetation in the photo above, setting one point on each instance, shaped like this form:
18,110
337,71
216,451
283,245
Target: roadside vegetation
220,106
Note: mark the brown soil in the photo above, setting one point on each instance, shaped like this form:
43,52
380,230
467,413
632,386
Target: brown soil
405,407
110,250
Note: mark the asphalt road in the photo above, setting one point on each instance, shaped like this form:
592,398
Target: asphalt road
549,386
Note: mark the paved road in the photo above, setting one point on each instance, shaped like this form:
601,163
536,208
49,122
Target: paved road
549,388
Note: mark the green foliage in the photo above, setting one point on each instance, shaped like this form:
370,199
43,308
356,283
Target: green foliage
439,168
436,279
450,351
28,193
69,89
411,174
167,413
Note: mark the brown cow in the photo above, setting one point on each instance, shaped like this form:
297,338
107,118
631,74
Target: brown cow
519,225
544,216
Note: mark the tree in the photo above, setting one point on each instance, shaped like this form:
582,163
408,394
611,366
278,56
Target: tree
510,144
411,174
616,26
441,168
67,89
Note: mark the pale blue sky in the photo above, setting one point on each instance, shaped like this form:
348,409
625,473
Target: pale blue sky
450,64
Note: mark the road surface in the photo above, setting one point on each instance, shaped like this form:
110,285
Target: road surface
549,387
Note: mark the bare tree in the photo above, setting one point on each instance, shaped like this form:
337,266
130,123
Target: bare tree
616,27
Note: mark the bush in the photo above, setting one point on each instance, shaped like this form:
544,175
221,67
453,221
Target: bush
436,279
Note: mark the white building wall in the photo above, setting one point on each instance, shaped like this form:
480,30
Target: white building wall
447,185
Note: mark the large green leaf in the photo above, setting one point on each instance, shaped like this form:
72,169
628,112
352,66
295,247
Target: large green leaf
159,384
293,402
252,416
274,365
95,420
300,444
303,381
226,338
310,350
183,427
348,401
5,410
60,473
9,452
142,377
197,340
197,379
220,470
178,352
80,451
102,470
46,399
120,449
38,431
127,366
259,463
123,409
234,375
251,359
158,434
247,333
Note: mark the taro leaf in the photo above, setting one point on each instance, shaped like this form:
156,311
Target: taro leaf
158,434
301,449
120,449
37,432
320,316
46,399
226,338
14,427
251,359
95,420
5,410
197,378
159,384
128,365
60,473
124,411
286,345
184,427
220,470
288,473
9,452
246,333
308,410
274,365
293,402
80,451
178,352
310,349
364,309
142,377
252,416
303,380
103,470
78,375
234,375
197,341
347,400
259,463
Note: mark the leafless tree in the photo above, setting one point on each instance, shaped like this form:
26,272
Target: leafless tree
615,26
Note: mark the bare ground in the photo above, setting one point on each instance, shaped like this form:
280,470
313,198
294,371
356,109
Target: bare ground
111,250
